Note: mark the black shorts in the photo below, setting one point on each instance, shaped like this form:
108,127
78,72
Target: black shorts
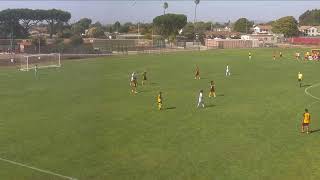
299,80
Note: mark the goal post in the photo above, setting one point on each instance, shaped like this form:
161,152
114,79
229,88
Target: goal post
40,60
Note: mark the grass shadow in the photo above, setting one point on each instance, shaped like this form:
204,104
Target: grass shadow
210,105
314,131
144,91
306,85
168,108
220,95
202,78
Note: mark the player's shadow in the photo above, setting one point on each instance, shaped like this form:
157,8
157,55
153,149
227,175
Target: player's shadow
220,95
210,105
306,85
317,130
172,107
144,91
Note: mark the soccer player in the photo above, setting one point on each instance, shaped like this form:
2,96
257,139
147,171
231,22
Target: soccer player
212,90
306,121
201,100
300,78
197,76
159,101
249,55
274,57
36,70
144,77
228,71
133,83
297,55
280,54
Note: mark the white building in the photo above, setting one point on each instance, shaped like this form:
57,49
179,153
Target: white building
225,29
262,29
310,30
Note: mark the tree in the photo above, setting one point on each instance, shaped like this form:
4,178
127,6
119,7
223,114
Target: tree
96,32
169,24
242,25
81,26
311,18
97,24
76,40
54,16
117,26
85,22
288,26
165,7
66,33
9,24
188,31
36,40
124,28
17,22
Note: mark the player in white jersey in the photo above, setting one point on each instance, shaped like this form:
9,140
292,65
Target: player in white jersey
201,100
133,83
228,71
133,76
36,70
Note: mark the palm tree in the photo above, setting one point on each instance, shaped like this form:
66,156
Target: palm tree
165,6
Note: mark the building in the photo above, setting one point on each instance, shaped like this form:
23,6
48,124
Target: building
262,29
264,39
231,43
225,29
310,30
221,34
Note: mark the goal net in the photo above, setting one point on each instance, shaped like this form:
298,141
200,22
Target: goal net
40,60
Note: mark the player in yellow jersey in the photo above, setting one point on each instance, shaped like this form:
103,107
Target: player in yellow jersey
212,90
159,101
300,78
306,121
249,55
280,54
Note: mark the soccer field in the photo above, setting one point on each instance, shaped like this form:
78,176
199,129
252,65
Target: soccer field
81,121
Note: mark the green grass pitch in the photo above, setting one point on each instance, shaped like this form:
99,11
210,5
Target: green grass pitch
81,120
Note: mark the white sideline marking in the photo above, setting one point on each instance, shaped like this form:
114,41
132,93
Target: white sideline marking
37,169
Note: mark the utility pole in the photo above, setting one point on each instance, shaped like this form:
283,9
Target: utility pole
39,43
138,31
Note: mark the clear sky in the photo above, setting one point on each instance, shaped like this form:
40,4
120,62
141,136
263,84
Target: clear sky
109,11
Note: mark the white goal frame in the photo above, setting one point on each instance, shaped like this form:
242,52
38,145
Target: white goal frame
25,65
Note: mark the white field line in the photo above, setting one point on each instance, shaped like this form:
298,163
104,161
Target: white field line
37,169
307,93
